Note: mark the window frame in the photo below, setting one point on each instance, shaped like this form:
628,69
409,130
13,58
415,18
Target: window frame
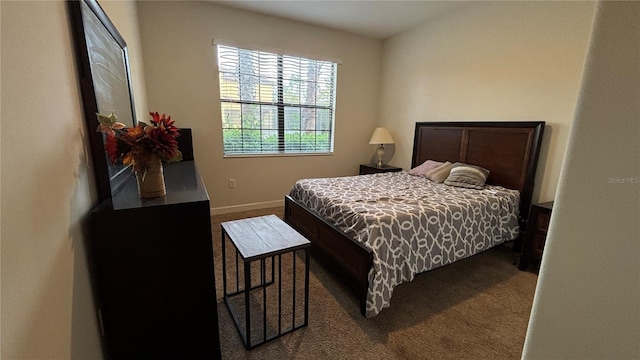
280,106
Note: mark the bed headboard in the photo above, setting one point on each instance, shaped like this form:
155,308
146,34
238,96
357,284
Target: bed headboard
509,149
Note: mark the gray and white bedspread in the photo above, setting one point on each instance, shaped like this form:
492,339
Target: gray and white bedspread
410,223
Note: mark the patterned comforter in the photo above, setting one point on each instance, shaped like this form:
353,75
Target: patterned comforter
411,224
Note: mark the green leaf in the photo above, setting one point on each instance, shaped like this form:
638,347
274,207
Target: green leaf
107,120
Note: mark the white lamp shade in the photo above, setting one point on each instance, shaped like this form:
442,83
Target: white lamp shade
381,136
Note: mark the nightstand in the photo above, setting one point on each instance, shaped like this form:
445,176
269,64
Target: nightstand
535,235
373,169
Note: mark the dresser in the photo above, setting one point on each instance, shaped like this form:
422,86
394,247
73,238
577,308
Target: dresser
535,235
153,271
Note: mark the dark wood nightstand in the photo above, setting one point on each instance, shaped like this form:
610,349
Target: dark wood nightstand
536,234
373,169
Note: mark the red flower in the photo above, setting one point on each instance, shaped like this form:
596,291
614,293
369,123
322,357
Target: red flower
162,142
164,123
111,146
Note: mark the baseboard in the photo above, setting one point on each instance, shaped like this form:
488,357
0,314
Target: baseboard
245,207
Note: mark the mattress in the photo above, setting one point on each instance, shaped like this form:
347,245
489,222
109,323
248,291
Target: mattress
410,223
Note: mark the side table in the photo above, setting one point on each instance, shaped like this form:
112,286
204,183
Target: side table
536,234
373,169
270,246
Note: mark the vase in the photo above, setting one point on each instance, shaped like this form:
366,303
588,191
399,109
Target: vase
151,180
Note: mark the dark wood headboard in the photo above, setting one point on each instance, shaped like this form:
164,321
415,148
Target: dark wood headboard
509,149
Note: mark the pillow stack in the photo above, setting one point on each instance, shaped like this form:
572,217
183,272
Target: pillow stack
435,171
422,169
440,173
456,174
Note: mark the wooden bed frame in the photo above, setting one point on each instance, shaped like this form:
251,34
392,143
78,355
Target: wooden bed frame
508,149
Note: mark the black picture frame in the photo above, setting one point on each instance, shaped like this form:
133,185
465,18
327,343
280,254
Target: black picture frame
105,83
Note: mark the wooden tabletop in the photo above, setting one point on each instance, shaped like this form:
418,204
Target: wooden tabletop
263,236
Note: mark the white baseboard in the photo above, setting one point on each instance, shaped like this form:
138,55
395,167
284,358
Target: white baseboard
245,207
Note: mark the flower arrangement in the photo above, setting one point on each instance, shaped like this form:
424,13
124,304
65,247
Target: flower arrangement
138,146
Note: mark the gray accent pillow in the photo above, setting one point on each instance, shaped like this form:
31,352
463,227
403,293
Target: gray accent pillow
467,176
440,173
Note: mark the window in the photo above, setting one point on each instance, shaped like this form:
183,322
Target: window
275,104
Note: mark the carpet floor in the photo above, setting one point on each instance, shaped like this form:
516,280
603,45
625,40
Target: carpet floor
476,308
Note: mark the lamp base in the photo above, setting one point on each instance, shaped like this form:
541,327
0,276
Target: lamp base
380,153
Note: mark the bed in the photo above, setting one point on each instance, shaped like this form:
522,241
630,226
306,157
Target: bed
357,243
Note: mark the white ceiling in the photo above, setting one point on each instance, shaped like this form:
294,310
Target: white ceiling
375,19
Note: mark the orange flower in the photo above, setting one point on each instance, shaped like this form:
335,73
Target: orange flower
135,132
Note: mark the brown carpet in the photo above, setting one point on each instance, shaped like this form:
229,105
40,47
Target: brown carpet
477,308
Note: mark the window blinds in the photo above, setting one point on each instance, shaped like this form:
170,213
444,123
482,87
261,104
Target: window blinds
273,103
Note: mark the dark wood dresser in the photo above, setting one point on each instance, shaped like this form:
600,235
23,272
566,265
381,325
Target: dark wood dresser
373,169
153,271
535,235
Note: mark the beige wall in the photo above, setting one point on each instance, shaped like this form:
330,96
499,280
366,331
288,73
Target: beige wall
587,303
490,61
181,72
47,186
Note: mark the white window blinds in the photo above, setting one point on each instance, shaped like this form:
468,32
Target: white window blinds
275,104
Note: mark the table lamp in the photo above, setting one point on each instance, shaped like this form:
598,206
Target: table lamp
381,136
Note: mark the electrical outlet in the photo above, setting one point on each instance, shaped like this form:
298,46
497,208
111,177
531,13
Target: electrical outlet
232,183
